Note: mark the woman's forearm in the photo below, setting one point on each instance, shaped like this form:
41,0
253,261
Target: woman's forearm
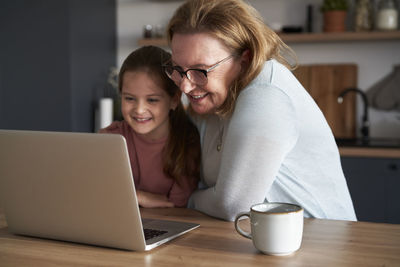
243,180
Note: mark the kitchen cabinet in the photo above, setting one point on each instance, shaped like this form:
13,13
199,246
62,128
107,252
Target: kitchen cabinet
374,184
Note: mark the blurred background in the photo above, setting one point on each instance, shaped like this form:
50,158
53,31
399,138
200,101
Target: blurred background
57,57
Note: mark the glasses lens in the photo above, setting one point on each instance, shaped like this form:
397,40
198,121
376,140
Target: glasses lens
197,77
168,70
172,73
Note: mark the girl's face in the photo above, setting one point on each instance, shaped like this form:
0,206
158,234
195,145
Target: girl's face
202,51
145,105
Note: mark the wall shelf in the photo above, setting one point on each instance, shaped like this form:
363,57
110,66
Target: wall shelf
311,37
340,37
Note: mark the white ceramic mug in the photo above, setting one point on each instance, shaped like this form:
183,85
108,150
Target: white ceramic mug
276,228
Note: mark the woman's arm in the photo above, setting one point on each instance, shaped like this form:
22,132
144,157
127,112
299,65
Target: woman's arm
261,133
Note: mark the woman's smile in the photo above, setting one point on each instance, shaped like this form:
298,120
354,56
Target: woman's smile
197,97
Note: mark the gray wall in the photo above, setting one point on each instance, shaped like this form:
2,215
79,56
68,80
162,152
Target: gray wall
54,60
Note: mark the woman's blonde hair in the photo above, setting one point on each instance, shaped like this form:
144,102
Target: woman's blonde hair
239,27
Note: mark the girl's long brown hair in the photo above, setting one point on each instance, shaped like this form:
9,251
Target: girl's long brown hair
181,155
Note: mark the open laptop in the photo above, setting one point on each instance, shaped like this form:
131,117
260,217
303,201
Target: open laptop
75,187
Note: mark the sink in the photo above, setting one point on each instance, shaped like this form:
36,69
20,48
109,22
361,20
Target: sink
371,142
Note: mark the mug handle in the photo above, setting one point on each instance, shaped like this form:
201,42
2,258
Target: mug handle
238,229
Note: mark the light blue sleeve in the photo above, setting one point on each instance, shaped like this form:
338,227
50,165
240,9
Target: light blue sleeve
261,132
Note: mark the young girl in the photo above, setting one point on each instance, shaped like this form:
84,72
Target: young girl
163,145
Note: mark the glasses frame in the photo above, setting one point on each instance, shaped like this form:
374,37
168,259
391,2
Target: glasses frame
204,71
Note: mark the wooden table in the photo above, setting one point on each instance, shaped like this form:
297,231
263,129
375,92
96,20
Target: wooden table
216,243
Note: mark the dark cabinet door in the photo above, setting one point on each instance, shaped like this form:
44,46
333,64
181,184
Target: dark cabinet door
392,190
374,184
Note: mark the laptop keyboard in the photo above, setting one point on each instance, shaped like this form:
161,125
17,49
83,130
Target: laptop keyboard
151,233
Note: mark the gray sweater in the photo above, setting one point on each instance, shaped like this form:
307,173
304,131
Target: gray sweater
276,147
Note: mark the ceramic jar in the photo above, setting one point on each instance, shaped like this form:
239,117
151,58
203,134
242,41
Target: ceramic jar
387,15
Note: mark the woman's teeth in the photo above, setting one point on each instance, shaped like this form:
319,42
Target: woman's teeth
198,96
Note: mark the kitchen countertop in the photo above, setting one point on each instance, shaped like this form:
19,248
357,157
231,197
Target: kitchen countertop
373,147
373,152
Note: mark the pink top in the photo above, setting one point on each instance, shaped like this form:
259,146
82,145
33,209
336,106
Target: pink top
147,167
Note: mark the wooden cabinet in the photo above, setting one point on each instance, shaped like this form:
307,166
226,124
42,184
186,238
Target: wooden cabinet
325,82
374,185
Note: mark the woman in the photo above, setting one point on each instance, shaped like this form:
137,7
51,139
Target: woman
263,137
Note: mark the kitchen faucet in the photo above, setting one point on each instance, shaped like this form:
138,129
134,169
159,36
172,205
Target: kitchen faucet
365,122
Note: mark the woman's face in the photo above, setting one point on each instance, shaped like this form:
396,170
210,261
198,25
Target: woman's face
202,51
145,105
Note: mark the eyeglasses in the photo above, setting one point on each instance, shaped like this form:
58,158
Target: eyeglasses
197,76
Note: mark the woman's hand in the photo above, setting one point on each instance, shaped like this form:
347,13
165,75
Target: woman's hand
151,200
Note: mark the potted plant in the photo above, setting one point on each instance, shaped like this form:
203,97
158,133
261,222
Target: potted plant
334,12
